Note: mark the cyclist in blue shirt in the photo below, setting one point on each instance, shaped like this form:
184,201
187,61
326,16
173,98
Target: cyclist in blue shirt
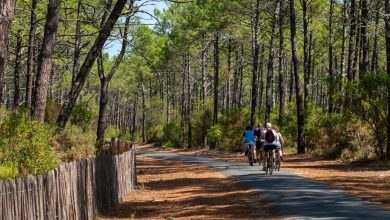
249,138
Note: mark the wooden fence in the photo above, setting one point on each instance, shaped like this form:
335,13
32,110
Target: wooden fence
75,190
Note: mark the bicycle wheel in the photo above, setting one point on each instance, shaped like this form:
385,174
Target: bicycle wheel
269,162
266,162
250,157
277,161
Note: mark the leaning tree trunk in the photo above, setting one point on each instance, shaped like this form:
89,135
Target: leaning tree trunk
18,60
88,63
6,15
30,58
77,45
387,28
298,88
104,83
45,59
270,69
255,50
261,75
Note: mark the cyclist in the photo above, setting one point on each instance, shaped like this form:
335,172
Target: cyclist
271,138
280,141
259,134
249,138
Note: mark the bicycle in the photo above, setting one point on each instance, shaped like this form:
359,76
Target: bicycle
250,154
269,162
278,161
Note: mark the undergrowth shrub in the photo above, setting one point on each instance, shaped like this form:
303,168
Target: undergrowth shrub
73,143
171,136
25,146
82,116
111,132
331,136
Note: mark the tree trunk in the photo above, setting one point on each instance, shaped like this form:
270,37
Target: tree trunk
88,63
216,77
330,59
236,80
204,69
18,60
45,58
255,63
305,53
229,62
30,58
364,63
241,71
261,76
281,51
102,120
352,43
143,123
291,86
189,104
298,89
387,30
270,69
77,49
134,119
6,16
374,61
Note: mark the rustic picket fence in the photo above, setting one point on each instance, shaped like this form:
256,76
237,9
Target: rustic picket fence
75,190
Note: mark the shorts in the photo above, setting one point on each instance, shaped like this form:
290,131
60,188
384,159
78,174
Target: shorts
270,147
259,145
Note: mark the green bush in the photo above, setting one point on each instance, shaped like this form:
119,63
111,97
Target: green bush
155,120
214,134
25,146
202,120
171,135
73,143
82,116
111,132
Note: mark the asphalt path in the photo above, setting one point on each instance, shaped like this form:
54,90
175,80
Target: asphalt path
291,195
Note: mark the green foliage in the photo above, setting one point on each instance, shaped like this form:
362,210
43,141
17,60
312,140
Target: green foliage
155,120
202,120
171,135
214,134
25,146
233,125
111,132
82,116
73,143
332,136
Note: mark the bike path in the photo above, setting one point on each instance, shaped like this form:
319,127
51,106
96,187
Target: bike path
291,195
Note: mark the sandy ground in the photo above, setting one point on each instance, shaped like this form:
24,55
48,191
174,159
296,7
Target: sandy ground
174,190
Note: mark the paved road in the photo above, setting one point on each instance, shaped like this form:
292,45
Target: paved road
290,194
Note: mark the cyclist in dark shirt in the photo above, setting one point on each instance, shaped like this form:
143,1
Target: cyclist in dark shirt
259,134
